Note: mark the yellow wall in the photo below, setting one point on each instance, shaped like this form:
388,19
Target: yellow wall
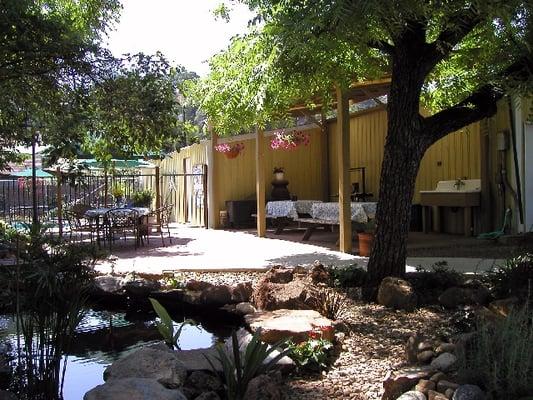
454,156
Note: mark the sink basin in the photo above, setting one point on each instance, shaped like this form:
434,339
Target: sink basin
448,194
469,185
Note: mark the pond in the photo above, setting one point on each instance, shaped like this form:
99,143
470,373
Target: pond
104,336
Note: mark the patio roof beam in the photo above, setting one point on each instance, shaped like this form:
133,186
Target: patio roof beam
260,181
343,135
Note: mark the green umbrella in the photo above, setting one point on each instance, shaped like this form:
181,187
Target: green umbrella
27,173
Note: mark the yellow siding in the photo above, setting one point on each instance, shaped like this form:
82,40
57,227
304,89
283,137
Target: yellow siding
303,170
456,155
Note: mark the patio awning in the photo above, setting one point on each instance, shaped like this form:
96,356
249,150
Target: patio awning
117,163
28,173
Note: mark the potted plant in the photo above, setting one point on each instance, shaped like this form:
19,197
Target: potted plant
279,173
230,150
284,140
366,238
117,191
142,198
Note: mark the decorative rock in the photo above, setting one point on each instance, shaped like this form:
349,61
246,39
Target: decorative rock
245,308
262,387
468,392
216,295
108,284
425,385
201,381
449,393
133,389
443,385
412,395
295,324
396,293
411,348
455,296
319,274
208,396
141,287
397,382
445,348
438,376
444,361
423,346
433,395
242,292
425,356
161,366
195,360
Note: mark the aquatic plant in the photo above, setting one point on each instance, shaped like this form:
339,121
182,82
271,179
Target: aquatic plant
171,334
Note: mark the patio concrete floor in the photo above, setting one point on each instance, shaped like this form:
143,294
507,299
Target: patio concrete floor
200,249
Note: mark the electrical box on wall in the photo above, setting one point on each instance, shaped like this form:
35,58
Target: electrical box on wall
502,140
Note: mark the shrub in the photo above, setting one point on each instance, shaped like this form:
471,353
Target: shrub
348,276
500,356
142,198
239,368
513,278
329,303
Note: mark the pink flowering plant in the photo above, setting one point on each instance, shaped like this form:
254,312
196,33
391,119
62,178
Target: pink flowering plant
229,147
284,140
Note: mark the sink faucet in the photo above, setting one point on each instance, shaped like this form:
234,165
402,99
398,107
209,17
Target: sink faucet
458,183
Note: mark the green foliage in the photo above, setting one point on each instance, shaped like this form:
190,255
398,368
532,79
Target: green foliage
312,354
348,276
500,357
239,368
142,198
118,190
165,326
439,277
514,278
330,303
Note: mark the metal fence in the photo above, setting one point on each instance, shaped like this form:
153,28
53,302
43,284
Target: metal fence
16,194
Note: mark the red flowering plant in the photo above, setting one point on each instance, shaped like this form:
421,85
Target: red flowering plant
284,140
231,150
313,353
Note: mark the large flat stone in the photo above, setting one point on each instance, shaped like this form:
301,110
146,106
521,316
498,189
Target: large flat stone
133,389
289,324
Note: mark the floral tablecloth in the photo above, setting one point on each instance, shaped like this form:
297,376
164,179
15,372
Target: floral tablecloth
288,208
98,212
360,212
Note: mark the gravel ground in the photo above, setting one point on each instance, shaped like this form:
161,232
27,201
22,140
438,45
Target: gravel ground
375,345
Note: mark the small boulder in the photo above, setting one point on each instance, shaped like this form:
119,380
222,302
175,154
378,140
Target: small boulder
141,287
201,381
244,308
438,376
263,387
425,385
396,293
397,382
468,392
444,362
434,395
242,292
133,389
445,348
443,385
425,357
411,348
216,295
413,395
295,324
208,396
108,284
455,296
151,363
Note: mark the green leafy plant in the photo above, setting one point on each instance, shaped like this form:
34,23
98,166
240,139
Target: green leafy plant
171,334
349,276
117,190
513,278
500,356
239,368
142,198
329,302
311,354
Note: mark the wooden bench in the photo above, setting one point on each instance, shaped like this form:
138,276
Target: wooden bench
314,223
279,222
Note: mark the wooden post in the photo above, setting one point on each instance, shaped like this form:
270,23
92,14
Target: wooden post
343,134
260,181
486,207
212,183
157,198
59,202
324,143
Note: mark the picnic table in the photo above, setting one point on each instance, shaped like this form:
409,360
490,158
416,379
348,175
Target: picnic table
284,211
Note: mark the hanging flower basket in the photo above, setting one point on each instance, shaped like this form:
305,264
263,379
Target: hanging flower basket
230,150
289,140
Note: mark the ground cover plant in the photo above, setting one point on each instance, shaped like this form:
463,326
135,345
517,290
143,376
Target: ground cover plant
514,278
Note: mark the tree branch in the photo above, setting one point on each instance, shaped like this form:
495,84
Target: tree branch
481,104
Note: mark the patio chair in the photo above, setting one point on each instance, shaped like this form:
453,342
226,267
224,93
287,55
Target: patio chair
162,215
78,224
122,221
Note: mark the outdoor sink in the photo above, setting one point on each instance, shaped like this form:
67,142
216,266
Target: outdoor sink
456,193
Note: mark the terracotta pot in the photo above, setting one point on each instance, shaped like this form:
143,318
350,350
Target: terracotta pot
232,153
366,240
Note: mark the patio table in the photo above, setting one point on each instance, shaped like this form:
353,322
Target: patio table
360,212
97,215
285,210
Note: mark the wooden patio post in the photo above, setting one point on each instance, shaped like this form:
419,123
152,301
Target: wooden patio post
343,130
157,197
212,184
59,202
260,181
324,143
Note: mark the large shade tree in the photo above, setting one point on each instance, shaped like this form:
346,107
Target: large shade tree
455,57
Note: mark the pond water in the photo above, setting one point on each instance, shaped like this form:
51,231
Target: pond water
105,336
